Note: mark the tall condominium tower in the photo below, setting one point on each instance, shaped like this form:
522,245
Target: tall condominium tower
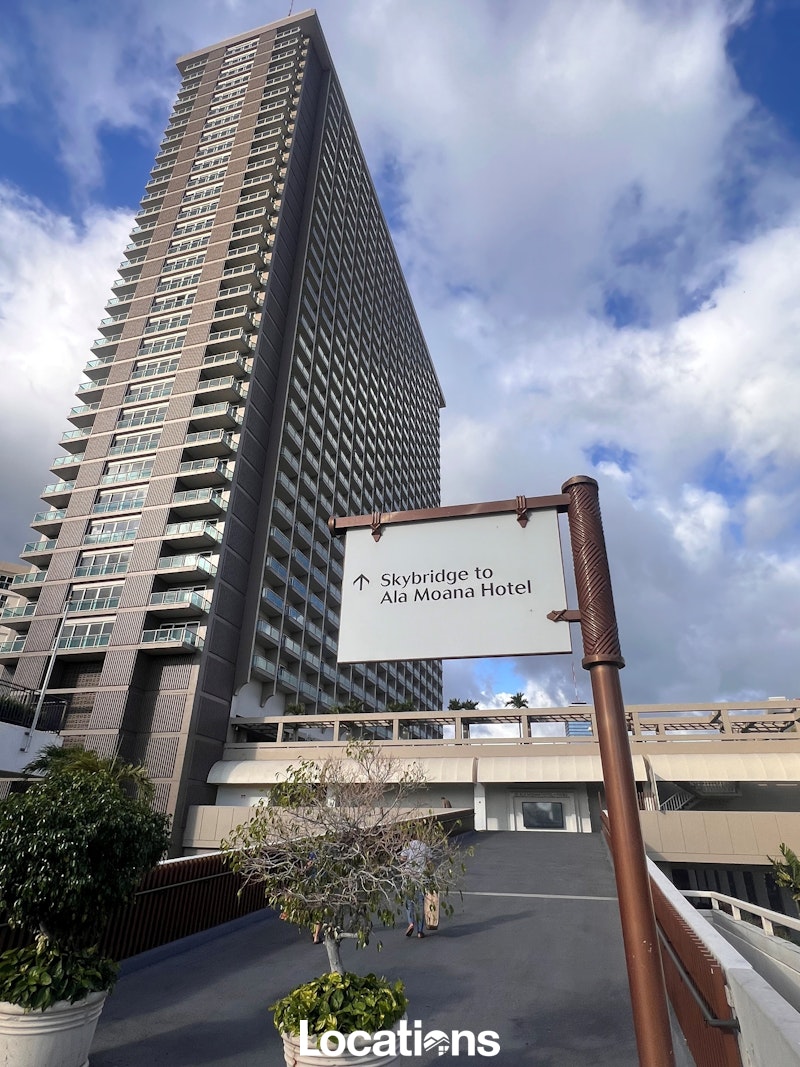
261,368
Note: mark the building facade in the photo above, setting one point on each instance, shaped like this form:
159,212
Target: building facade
261,368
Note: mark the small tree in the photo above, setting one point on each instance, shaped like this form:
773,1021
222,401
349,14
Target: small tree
518,700
73,847
462,705
327,847
786,872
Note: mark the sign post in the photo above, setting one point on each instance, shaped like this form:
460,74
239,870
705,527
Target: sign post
469,581
603,659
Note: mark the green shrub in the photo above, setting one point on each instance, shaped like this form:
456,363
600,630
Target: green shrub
344,1002
37,976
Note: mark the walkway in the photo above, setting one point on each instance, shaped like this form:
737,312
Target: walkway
532,952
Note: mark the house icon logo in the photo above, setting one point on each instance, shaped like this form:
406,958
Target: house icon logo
438,1040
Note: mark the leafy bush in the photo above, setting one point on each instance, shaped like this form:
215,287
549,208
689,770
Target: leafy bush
344,1002
37,976
73,848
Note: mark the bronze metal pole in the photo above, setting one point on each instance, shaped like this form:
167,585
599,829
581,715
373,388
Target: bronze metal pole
603,659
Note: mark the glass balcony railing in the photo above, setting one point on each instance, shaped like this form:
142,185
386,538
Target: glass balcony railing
188,562
31,578
106,603
42,517
99,570
179,598
11,647
24,611
193,529
173,635
39,547
103,507
56,488
86,641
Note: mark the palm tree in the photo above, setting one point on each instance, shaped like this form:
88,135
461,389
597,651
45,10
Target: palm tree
462,705
54,760
518,700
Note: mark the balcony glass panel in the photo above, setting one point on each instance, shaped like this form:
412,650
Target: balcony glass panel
173,635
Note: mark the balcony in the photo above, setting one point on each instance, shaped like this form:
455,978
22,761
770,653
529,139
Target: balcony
252,253
101,570
202,473
11,649
197,534
234,295
39,552
204,443
262,667
106,507
250,272
48,522
58,493
180,602
80,644
182,568
87,390
214,416
67,465
28,585
73,440
89,604
173,639
230,363
98,368
216,390
198,503
108,324
134,475
125,285
18,617
240,315
83,414
226,340
106,342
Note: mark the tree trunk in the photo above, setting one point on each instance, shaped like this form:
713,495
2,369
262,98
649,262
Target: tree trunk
333,948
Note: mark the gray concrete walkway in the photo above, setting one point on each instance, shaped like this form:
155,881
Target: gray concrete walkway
533,952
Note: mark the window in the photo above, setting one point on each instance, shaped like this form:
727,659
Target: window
134,442
102,597
138,393
103,531
128,469
92,564
120,499
142,416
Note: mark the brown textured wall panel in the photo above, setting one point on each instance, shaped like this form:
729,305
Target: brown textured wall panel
127,631
106,419
172,434
89,473
41,634
168,713
153,522
161,489
158,756
81,502
97,447
51,601
180,406
145,556
108,711
175,673
30,671
62,565
118,666
72,533
102,744
137,591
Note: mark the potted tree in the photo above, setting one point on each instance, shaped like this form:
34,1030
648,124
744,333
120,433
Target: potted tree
73,847
336,848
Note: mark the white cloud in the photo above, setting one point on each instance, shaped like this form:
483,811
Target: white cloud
54,279
542,159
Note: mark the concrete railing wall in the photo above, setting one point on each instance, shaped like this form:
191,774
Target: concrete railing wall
770,1027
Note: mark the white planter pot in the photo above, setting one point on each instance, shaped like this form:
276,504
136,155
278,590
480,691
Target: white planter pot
294,1058
61,1036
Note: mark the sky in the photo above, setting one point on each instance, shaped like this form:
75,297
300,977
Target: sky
597,207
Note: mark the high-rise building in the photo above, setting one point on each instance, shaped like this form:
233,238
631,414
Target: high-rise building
261,368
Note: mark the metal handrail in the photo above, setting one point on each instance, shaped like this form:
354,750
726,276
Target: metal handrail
768,918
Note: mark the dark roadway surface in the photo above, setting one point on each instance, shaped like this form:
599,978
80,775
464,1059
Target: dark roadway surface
534,952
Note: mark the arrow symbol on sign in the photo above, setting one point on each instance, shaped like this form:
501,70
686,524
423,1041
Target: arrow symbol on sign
360,581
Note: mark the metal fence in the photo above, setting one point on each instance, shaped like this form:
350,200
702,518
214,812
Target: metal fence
177,898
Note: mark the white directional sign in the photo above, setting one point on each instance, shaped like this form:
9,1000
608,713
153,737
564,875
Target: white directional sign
453,589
